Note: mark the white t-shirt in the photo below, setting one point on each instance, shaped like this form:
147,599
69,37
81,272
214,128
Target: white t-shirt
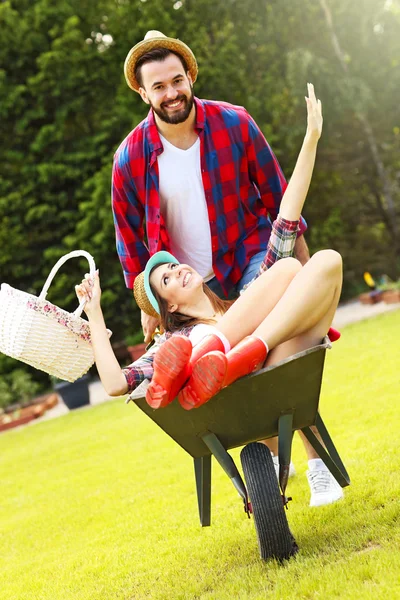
183,206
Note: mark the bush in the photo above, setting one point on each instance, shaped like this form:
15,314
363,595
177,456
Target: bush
6,396
17,386
135,338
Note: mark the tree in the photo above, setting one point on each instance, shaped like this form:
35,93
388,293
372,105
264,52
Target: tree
65,107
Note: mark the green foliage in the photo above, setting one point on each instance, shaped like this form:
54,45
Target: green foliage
65,107
388,285
134,339
17,387
6,396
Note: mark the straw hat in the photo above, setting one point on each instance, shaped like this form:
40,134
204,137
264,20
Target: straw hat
156,39
141,297
144,297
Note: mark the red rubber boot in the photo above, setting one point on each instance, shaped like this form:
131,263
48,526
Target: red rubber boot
170,362
206,380
173,365
180,382
209,343
247,356
215,370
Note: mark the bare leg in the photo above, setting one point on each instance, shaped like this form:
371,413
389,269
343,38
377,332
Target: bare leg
299,319
304,310
308,305
298,344
288,301
255,304
272,444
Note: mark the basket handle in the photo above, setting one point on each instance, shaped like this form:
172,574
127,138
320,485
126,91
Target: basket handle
59,263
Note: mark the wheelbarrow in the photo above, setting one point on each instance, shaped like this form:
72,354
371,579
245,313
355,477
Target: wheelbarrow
275,401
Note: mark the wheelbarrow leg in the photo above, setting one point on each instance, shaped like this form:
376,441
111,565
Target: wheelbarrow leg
228,465
285,436
329,455
202,471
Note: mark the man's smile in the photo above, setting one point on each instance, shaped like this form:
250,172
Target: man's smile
178,103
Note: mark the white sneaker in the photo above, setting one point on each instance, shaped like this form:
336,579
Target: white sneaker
275,460
324,488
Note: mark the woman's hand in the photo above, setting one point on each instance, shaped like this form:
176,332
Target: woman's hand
314,114
90,291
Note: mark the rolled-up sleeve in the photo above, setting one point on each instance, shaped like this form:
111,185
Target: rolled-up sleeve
140,370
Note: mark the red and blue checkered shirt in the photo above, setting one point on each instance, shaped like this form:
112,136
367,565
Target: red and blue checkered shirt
243,185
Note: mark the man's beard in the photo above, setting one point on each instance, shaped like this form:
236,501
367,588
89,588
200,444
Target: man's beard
181,115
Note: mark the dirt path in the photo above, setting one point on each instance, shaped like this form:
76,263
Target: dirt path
352,312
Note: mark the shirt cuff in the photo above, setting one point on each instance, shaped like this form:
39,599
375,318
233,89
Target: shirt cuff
131,380
287,225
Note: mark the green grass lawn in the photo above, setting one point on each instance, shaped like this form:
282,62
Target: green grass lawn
100,504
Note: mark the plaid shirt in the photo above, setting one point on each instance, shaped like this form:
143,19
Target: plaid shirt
280,245
243,186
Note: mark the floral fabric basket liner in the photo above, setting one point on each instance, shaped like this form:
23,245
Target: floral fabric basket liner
35,331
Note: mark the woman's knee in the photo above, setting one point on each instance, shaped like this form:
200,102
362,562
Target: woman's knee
291,266
328,260
284,269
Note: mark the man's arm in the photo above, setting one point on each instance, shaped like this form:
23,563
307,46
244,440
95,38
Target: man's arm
149,325
301,250
128,214
128,221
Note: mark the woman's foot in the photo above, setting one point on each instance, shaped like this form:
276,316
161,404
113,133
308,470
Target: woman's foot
170,373
206,380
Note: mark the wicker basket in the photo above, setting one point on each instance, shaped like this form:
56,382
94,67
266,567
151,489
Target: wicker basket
42,335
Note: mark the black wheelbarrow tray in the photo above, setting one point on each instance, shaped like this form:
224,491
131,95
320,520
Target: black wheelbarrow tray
277,400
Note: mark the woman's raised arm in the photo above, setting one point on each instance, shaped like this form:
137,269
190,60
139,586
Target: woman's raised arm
296,192
110,372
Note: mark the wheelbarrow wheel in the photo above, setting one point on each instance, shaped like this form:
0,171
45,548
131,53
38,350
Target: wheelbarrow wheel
273,533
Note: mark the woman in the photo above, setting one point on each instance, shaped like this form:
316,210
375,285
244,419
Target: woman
286,309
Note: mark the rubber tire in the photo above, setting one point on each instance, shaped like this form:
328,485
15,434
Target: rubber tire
274,537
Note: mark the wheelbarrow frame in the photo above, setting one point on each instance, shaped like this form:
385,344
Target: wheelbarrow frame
275,401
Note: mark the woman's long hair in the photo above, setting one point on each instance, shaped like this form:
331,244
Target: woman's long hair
176,320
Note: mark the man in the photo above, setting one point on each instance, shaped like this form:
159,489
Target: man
196,178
